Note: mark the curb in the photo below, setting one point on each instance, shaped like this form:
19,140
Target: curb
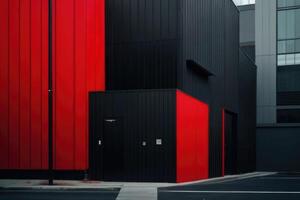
225,178
117,186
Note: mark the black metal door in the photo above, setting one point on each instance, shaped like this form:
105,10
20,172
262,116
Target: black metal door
113,150
230,143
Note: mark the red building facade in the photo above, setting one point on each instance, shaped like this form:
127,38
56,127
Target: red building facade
78,67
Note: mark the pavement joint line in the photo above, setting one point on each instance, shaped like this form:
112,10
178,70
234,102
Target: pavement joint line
231,192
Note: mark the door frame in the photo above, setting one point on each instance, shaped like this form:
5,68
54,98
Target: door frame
96,151
223,136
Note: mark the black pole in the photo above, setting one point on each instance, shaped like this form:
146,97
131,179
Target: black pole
50,97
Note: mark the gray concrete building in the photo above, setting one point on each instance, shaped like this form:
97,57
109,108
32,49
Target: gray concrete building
277,56
247,29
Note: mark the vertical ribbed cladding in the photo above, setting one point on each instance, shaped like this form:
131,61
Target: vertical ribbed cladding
217,86
147,116
231,67
202,40
78,67
210,37
148,43
231,56
247,115
141,44
196,45
24,84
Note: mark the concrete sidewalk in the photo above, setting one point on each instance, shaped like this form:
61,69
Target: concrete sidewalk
72,184
132,191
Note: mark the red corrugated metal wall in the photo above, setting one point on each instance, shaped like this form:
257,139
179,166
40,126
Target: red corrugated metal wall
23,84
79,67
192,118
78,59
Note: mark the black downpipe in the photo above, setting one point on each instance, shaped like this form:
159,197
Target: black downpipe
50,97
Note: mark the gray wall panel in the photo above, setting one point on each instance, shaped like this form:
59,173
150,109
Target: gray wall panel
265,37
247,25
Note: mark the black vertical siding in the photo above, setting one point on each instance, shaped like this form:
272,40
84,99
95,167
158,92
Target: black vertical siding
147,116
231,79
196,45
217,86
247,115
141,44
210,37
150,48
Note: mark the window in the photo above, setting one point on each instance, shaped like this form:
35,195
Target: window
288,116
288,33
243,2
288,24
288,3
288,60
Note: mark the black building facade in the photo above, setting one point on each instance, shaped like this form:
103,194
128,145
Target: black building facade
193,46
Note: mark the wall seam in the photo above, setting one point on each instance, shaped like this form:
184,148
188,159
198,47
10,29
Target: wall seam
8,85
86,85
54,91
19,104
74,84
30,61
41,89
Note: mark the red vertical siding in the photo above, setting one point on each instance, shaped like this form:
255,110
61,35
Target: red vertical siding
25,84
4,82
100,43
22,83
64,89
80,85
54,78
192,138
14,83
36,82
91,39
78,67
44,85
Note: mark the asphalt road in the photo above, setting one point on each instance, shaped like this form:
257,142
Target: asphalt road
274,187
58,195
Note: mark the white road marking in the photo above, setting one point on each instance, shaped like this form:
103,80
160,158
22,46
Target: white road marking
233,192
281,178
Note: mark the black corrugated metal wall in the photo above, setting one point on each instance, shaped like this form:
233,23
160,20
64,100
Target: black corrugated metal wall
149,42
141,44
153,117
210,37
247,115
